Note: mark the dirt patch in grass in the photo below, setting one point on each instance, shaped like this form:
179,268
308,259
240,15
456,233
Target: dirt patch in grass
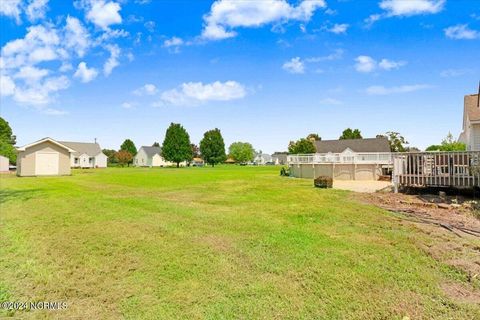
460,293
216,242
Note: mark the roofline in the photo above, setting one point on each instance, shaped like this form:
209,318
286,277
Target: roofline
352,139
45,140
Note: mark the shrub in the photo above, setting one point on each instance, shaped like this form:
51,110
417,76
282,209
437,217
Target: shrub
323,182
285,172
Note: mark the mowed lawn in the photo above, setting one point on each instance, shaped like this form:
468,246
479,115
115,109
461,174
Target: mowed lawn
212,243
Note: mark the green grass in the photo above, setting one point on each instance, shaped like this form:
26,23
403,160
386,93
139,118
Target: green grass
223,243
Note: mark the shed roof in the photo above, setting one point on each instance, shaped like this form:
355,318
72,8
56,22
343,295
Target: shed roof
47,139
151,151
356,145
88,148
471,107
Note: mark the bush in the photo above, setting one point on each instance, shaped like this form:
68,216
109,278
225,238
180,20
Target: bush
323,182
285,172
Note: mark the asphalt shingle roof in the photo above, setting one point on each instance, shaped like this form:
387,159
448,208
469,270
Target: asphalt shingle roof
91,149
471,107
151,151
356,145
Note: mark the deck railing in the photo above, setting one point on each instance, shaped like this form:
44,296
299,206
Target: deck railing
437,169
341,158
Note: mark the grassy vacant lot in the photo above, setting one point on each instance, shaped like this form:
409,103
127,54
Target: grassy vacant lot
221,243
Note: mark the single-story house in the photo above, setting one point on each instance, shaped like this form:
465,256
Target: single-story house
4,164
151,157
350,159
86,155
44,157
471,122
280,158
262,159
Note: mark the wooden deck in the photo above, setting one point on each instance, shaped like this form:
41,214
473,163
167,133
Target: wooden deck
437,169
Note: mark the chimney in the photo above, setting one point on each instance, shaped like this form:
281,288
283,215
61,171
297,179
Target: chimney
95,140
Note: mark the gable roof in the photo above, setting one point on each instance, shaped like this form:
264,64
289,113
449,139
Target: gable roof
151,151
356,145
88,148
47,139
471,107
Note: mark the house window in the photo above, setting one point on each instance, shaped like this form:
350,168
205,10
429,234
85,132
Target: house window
76,160
90,160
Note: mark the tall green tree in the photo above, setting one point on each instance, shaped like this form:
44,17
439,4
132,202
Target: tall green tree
313,137
176,146
241,152
129,146
448,144
302,146
396,141
7,141
351,134
212,147
111,155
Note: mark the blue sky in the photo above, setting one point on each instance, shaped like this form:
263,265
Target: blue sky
265,72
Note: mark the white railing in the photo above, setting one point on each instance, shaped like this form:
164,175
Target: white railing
319,158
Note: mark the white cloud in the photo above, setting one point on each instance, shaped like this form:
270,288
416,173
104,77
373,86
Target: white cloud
338,28
104,14
372,19
388,65
147,89
112,62
150,26
54,112
365,64
41,93
76,36
226,15
295,65
381,90
11,8
461,32
173,42
193,93
84,73
36,9
31,74
7,86
411,7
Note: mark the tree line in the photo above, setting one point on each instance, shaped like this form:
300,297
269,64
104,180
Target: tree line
178,148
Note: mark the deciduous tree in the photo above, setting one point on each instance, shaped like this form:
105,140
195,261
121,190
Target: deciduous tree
129,146
396,141
124,157
351,134
212,147
302,146
7,141
241,152
176,146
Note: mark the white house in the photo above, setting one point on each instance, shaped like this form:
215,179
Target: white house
471,123
262,159
86,155
150,157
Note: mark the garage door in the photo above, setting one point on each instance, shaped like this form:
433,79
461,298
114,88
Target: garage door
46,163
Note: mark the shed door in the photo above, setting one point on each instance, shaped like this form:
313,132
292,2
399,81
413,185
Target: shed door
46,163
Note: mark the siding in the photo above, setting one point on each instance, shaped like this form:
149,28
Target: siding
476,137
26,159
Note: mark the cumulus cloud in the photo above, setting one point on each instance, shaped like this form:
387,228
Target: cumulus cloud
84,73
381,90
129,105
335,55
173,42
76,36
112,62
11,8
148,89
461,32
411,7
367,64
338,28
295,65
226,15
36,9
104,14
193,93
7,86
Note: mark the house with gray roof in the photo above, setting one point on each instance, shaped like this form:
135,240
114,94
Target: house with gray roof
471,122
379,144
262,159
150,157
86,155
